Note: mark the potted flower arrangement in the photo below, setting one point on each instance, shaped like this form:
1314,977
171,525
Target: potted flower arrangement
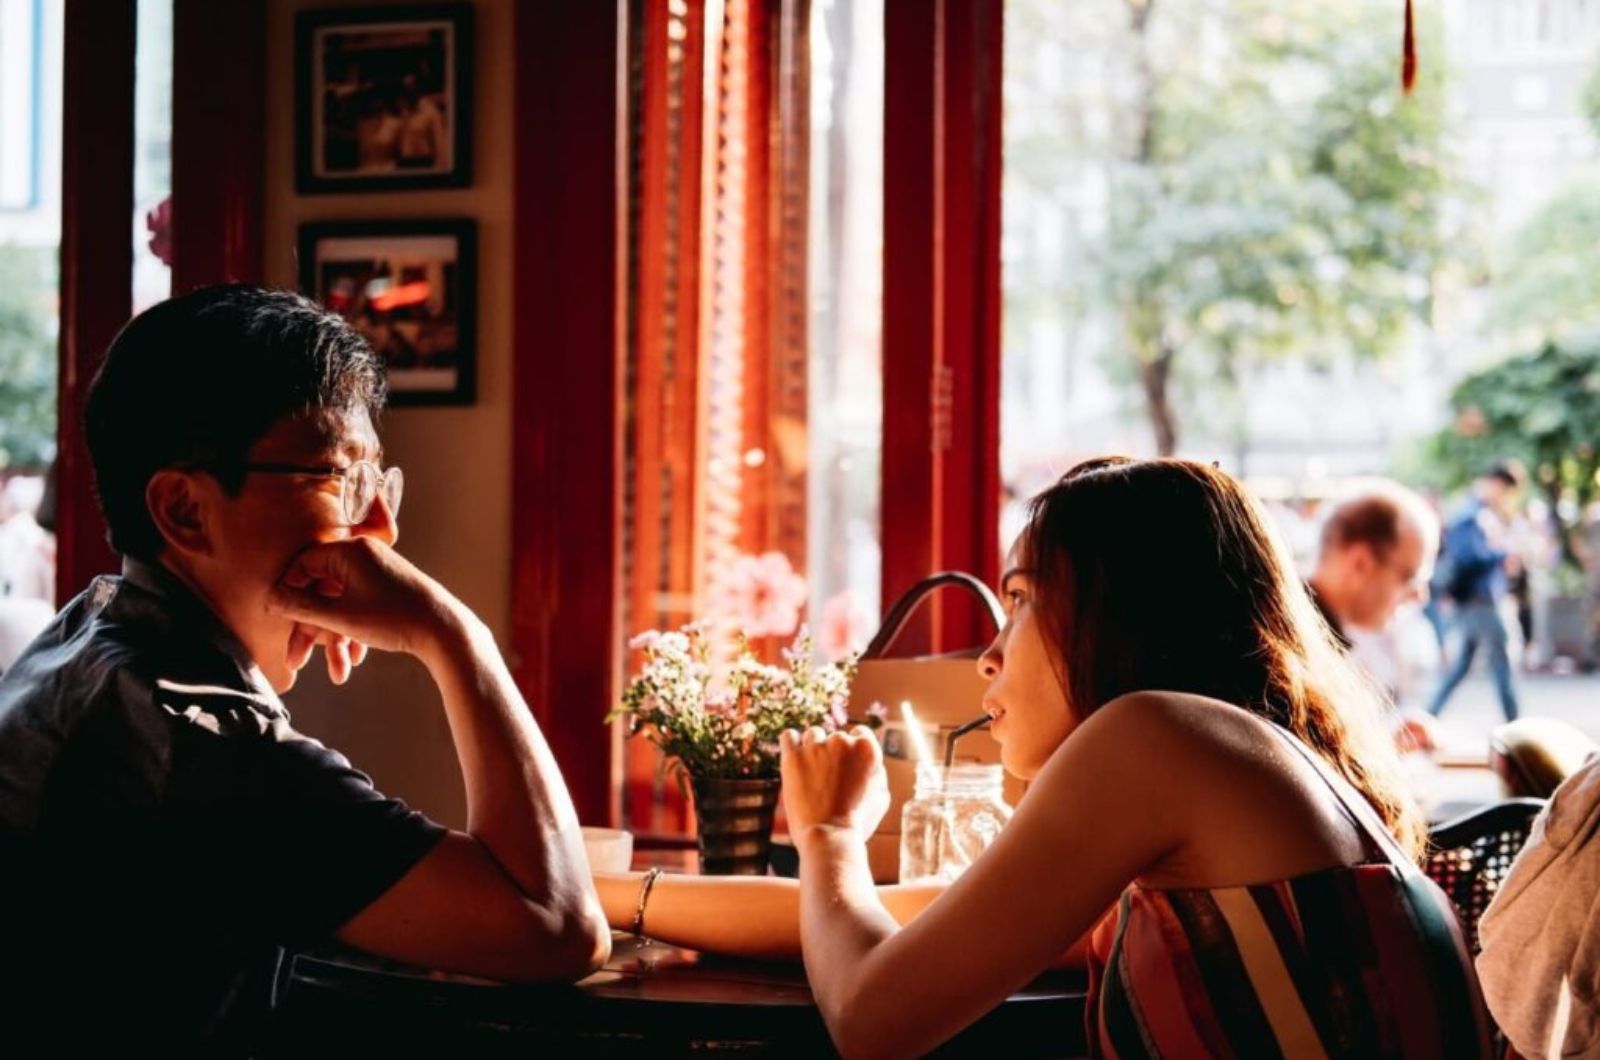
718,724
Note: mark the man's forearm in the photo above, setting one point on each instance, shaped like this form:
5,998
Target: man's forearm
517,803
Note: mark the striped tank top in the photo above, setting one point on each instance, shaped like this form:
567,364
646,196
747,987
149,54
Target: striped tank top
1362,961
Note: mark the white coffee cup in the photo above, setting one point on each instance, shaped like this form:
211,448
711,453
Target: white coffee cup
609,849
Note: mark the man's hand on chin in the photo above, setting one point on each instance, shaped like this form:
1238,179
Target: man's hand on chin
342,654
351,595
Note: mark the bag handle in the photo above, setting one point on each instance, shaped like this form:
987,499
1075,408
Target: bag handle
898,615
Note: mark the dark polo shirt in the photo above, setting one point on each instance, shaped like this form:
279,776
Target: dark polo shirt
1329,617
165,832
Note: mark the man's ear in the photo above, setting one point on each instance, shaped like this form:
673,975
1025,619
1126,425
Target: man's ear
1363,558
177,505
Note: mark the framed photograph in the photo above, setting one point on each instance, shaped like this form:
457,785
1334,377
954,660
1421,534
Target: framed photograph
383,98
411,288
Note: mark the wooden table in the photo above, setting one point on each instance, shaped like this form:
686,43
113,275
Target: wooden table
650,1000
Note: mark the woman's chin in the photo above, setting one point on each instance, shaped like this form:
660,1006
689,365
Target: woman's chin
1015,765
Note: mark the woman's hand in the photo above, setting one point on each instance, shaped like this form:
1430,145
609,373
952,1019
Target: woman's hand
833,782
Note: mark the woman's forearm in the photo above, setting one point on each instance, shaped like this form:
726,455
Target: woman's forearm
755,917
842,922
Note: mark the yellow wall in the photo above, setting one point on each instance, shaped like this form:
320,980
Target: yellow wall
456,518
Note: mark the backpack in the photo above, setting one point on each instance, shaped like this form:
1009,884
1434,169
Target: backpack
1452,578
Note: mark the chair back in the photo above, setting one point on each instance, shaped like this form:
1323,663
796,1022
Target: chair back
1470,855
1532,756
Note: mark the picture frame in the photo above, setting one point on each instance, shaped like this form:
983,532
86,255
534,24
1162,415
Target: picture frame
383,98
410,287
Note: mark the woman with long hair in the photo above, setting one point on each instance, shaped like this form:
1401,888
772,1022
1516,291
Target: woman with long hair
1204,763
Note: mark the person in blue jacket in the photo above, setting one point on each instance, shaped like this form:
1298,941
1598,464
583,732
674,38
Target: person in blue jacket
1472,573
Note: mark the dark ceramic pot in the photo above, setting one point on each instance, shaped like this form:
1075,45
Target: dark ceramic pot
735,820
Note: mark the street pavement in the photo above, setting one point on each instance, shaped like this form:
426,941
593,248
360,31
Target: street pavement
1470,717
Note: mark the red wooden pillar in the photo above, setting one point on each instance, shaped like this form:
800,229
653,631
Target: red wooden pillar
566,400
942,303
218,141
96,257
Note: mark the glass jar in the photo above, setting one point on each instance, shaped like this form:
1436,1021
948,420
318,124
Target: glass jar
956,812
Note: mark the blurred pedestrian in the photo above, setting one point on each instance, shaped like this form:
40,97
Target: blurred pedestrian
1475,578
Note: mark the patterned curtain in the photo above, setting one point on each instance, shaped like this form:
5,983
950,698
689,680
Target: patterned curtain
715,436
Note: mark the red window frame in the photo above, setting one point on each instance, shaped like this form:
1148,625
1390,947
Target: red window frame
218,147
941,306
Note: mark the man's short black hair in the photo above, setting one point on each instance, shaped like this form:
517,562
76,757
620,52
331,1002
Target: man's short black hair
196,380
1508,471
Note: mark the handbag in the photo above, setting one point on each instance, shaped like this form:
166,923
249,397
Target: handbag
946,693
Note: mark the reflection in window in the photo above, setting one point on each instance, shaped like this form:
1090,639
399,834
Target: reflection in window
846,318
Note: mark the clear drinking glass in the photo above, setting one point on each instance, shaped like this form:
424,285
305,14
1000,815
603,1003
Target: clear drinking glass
955,813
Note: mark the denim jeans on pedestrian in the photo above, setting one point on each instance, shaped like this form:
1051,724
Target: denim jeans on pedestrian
1479,623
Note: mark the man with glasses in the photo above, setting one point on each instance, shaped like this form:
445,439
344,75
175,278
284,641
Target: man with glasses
165,832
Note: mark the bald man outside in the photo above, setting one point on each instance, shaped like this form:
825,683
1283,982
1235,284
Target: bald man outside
1377,553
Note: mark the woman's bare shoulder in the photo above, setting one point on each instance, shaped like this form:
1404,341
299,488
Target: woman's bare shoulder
1189,731
1183,715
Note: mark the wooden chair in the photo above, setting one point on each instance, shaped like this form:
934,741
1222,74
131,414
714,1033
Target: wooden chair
1532,756
1470,855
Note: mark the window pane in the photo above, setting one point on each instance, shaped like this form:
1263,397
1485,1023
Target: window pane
152,155
846,317
30,236
1230,236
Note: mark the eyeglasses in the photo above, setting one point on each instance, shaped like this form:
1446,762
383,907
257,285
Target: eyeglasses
363,482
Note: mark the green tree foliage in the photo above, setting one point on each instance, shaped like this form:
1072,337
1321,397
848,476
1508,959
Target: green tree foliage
1284,199
1548,281
1591,98
27,358
1543,409
1271,193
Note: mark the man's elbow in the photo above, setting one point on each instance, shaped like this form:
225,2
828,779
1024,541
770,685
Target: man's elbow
862,1038
575,946
586,944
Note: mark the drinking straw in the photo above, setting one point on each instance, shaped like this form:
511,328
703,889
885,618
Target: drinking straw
954,834
950,741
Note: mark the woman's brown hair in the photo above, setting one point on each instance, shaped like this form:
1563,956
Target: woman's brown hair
1164,575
